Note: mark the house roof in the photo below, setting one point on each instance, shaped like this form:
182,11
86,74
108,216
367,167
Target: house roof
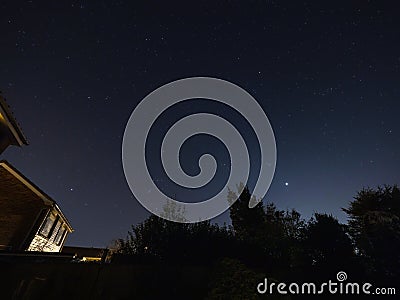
47,200
12,124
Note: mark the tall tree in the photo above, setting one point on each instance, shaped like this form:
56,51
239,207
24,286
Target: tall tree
247,222
269,237
375,227
328,248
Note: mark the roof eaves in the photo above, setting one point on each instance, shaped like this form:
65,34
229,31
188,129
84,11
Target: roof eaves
42,195
14,127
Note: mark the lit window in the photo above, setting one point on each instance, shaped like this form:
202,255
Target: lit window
47,225
56,229
60,235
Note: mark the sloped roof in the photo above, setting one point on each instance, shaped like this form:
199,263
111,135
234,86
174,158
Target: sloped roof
12,124
16,176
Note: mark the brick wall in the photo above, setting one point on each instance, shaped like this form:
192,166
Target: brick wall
19,209
40,243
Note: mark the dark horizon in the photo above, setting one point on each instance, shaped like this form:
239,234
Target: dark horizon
325,74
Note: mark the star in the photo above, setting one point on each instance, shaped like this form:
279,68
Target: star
286,183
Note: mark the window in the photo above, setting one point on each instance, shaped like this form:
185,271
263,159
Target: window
56,229
60,235
45,230
49,226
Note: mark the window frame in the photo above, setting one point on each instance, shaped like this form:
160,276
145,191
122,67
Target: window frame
62,236
47,220
53,225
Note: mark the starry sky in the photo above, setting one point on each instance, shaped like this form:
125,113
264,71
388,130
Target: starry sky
327,75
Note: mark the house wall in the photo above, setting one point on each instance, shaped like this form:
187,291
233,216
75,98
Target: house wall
40,243
19,211
53,239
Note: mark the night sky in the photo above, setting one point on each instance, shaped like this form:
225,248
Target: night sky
326,73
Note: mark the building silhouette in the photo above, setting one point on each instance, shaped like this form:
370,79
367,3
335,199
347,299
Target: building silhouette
30,220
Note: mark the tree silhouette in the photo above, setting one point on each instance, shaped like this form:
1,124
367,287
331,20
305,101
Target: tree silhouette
278,244
270,238
328,248
375,228
246,221
177,243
